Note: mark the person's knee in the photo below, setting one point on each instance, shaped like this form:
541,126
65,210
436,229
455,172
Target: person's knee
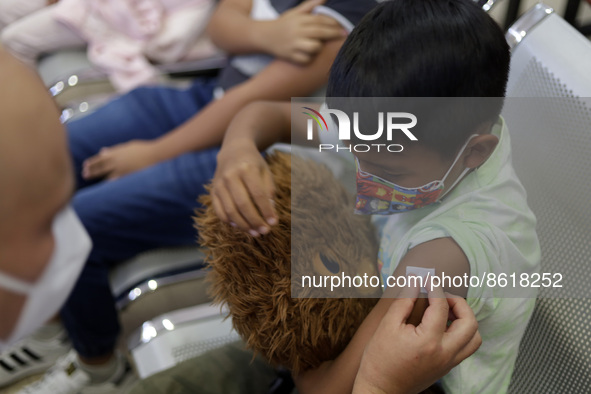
139,92
90,208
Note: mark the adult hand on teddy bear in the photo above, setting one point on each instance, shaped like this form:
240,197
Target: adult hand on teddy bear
402,358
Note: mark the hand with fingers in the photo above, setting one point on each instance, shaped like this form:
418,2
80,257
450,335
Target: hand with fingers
298,35
402,358
243,189
119,160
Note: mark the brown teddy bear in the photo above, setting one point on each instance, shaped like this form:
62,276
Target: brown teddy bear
317,235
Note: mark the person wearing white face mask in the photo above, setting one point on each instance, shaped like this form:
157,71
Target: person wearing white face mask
43,245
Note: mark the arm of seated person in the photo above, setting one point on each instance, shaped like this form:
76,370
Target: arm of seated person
296,35
280,80
338,376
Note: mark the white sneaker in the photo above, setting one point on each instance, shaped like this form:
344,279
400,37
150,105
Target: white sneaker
31,356
66,377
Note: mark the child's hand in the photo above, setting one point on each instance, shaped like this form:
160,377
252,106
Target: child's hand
119,160
297,35
243,188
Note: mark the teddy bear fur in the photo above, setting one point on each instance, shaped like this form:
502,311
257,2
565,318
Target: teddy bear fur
317,234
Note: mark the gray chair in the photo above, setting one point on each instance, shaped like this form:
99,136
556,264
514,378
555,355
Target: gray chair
178,335
80,88
67,68
548,112
155,269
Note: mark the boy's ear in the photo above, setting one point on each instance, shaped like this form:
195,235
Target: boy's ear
479,149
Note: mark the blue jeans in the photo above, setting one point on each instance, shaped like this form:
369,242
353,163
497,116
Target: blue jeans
147,209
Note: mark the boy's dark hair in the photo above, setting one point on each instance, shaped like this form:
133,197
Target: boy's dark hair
427,48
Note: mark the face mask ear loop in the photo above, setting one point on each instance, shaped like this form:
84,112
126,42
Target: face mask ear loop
358,167
458,157
454,163
15,285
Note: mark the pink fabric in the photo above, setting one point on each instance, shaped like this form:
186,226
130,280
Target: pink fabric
122,34
139,19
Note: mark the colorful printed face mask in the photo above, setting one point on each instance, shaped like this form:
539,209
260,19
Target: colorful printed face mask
377,196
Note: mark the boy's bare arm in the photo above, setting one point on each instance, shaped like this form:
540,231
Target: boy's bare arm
265,123
338,376
297,35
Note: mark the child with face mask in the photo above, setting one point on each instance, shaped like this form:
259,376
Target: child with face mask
449,202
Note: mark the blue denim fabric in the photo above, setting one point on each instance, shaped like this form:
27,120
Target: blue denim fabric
147,209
